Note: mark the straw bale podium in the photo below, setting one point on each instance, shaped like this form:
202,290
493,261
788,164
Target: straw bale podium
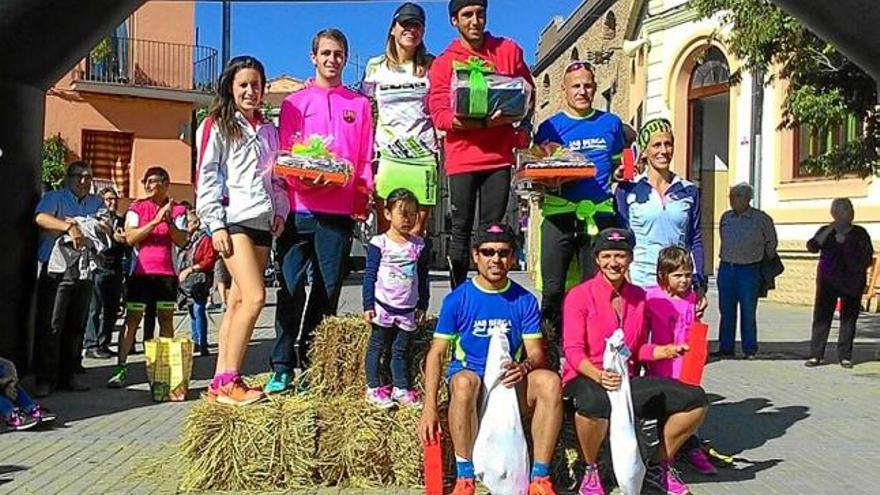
328,436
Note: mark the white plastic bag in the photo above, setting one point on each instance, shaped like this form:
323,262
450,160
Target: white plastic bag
628,466
501,457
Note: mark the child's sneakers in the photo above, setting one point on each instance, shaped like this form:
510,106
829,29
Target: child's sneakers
42,415
406,397
697,458
278,382
380,397
18,421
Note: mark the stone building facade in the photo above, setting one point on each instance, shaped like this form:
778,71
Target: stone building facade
594,33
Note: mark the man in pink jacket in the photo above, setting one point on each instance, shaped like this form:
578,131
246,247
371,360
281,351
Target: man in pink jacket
319,228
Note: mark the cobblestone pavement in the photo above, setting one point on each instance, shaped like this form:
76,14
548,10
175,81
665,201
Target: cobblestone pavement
792,430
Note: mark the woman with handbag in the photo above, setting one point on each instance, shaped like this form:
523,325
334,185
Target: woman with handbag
196,278
397,81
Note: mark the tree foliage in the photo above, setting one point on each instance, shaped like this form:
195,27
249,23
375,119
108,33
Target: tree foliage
55,153
825,87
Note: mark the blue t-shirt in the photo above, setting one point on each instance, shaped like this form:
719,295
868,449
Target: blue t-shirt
470,314
63,204
599,137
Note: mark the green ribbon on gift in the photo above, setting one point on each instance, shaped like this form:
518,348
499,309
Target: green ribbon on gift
478,106
585,210
315,147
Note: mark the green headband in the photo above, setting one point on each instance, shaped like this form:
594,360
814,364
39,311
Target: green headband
650,128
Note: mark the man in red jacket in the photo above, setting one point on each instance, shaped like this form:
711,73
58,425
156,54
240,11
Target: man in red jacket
478,152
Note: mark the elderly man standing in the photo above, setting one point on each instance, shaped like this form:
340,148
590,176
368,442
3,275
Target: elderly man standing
62,302
748,236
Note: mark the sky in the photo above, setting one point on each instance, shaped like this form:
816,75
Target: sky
280,33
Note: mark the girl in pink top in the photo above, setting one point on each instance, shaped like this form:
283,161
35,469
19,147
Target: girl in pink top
670,310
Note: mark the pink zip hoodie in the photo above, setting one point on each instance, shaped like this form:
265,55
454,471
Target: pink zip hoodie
347,117
669,320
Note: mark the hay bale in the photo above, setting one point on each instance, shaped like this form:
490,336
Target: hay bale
353,444
340,347
266,446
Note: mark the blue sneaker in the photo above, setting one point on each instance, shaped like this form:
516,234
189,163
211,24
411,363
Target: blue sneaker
279,382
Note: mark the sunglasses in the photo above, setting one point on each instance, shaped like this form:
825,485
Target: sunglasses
490,253
578,65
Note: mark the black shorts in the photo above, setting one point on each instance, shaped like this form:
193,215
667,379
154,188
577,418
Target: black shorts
653,397
157,290
259,237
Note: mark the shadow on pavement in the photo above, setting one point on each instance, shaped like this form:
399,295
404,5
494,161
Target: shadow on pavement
7,472
103,401
799,350
736,427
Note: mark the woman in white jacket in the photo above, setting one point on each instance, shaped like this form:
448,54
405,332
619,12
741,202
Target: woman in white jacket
243,207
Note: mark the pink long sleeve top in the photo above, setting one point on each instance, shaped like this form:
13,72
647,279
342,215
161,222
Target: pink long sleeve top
347,117
588,318
669,320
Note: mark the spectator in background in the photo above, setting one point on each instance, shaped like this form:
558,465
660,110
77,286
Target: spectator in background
153,226
62,304
195,277
845,255
748,237
107,293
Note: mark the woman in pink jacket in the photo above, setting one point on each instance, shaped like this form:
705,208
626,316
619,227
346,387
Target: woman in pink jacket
319,228
592,312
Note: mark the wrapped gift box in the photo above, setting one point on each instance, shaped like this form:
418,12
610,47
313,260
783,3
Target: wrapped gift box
313,161
477,92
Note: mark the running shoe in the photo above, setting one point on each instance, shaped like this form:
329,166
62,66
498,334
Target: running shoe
664,478
236,393
18,421
42,415
591,484
541,486
408,397
278,382
380,397
464,486
700,461
119,377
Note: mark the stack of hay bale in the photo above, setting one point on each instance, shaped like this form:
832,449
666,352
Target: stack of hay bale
329,436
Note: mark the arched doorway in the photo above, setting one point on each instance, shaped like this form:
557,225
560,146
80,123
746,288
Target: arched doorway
709,137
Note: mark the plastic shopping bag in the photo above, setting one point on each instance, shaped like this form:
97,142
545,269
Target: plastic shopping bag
628,466
169,368
501,457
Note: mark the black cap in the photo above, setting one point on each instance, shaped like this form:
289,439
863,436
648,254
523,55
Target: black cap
409,12
456,5
494,232
613,239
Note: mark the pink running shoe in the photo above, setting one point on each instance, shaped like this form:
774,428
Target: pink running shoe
591,483
380,397
406,397
700,461
664,478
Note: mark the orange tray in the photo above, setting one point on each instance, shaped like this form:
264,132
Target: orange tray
302,173
557,173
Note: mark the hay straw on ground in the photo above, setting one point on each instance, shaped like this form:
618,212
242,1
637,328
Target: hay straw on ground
267,446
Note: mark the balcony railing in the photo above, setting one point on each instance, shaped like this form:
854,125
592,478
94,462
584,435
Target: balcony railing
150,64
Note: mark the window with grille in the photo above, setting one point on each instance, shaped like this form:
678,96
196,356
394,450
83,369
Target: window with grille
109,154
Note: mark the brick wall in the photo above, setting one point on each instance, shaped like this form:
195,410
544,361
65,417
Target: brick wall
616,68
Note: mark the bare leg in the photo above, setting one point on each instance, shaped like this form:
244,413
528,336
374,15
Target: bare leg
233,302
463,412
679,427
591,433
132,320
246,267
166,322
544,397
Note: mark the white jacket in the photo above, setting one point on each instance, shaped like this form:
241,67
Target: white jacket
235,180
